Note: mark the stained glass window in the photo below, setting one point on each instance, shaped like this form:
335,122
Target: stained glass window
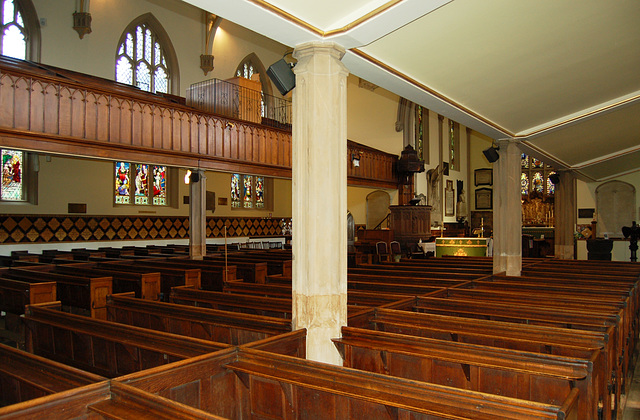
419,132
142,184
12,175
122,182
12,31
141,62
147,184
159,185
551,188
453,145
524,184
537,182
248,192
536,174
259,192
235,190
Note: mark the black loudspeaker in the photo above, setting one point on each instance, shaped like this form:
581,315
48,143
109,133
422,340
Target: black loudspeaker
554,178
282,76
491,154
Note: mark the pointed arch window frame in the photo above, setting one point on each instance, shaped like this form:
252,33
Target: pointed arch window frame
30,28
160,35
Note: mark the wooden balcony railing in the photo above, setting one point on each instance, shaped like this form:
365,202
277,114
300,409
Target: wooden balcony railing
51,110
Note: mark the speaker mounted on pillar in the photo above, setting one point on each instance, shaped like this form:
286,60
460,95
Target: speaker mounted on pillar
491,153
282,76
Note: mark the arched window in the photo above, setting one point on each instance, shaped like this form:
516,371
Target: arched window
145,57
250,66
20,30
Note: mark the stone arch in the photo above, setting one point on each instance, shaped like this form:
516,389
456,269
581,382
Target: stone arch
616,207
258,68
377,207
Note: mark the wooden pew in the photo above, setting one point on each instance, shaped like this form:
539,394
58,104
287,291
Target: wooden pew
252,272
105,348
242,303
537,377
606,294
389,279
293,344
382,271
522,337
250,382
460,268
575,319
144,285
207,324
281,290
169,277
25,376
212,276
86,293
16,294
267,306
104,400
277,263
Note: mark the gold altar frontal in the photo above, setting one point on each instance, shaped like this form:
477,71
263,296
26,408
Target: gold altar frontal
462,247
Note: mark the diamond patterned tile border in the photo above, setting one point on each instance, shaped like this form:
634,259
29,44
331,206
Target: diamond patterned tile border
65,228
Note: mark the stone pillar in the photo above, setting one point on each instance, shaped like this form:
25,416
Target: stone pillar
319,208
197,215
507,210
565,215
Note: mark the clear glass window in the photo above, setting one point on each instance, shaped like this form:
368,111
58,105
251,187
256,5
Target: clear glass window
141,62
12,31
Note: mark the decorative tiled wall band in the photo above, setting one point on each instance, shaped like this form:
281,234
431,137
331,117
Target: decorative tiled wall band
20,229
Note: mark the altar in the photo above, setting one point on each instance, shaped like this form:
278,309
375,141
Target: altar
462,247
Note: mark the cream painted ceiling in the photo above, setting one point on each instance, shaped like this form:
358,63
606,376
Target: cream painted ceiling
561,76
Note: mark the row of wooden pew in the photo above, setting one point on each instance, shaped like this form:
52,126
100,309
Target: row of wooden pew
438,338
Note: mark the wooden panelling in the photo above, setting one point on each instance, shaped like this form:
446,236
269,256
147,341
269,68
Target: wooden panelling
41,106
70,113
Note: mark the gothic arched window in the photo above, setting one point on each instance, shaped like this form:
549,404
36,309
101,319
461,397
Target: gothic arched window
145,57
19,30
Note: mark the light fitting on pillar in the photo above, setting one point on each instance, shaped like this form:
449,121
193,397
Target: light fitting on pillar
190,177
82,18
554,178
491,153
355,159
281,74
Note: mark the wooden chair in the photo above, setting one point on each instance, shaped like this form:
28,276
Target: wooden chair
382,252
396,250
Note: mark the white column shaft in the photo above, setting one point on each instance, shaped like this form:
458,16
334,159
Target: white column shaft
319,207
507,210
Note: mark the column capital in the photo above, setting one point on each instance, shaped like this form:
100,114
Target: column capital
508,140
318,47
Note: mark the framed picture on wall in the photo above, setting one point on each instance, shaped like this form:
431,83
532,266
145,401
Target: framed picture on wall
484,199
483,176
449,199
